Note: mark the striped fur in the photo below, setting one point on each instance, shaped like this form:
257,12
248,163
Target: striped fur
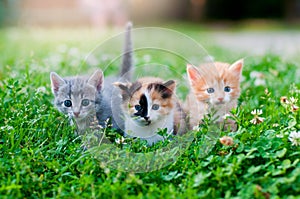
215,88
83,98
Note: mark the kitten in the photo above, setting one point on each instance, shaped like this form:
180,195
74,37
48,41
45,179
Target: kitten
88,99
215,89
149,104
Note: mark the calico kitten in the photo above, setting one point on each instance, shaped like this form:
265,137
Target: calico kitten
215,89
149,104
86,99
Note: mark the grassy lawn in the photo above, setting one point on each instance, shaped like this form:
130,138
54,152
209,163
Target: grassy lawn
41,157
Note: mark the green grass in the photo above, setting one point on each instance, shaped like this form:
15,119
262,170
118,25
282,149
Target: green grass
41,157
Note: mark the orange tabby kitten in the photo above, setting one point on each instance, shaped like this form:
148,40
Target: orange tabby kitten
215,89
149,104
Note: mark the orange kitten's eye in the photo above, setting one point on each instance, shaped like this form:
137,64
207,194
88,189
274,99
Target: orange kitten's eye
210,90
155,107
227,89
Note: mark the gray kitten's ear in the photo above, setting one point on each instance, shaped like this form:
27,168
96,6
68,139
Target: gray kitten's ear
96,80
56,82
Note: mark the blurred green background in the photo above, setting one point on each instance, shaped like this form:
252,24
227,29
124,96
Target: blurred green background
114,12
228,30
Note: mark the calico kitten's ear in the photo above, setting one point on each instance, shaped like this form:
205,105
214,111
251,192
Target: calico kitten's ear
237,67
171,85
122,86
193,73
96,80
167,88
56,82
125,92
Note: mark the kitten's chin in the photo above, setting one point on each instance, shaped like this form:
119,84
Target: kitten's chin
80,117
219,103
142,122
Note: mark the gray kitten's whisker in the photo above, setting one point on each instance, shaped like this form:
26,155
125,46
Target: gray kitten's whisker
86,100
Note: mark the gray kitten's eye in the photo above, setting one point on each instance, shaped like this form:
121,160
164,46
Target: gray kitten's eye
227,89
210,90
68,103
155,107
85,102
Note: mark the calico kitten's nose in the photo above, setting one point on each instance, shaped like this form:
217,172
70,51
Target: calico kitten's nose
76,114
146,118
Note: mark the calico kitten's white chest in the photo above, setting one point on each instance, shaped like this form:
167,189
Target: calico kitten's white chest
149,132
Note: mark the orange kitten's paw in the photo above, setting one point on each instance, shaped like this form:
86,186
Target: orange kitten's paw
230,125
227,125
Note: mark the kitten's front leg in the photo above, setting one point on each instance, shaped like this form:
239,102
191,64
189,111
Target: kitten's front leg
228,125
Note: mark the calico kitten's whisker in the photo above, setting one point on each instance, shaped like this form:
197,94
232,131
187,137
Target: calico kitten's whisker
149,104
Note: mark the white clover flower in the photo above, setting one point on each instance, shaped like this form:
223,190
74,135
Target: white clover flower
294,107
257,119
294,137
256,112
289,103
284,100
120,141
293,100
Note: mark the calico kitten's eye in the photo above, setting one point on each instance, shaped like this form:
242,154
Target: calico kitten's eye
68,103
155,107
210,90
138,107
85,102
227,89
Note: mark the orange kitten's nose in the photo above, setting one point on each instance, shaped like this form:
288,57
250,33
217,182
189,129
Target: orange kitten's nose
76,114
220,99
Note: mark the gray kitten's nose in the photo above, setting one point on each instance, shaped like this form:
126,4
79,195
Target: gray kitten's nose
76,114
220,99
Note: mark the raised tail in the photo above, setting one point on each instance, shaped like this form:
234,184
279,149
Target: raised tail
127,60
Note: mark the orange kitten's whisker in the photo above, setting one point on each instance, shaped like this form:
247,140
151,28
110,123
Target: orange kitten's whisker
213,85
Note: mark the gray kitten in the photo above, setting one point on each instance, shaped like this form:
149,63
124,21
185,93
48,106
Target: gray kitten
87,100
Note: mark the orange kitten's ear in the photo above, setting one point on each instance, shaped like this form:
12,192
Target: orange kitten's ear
96,80
237,67
56,82
193,73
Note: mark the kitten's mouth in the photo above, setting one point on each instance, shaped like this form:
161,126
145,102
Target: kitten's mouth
143,122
